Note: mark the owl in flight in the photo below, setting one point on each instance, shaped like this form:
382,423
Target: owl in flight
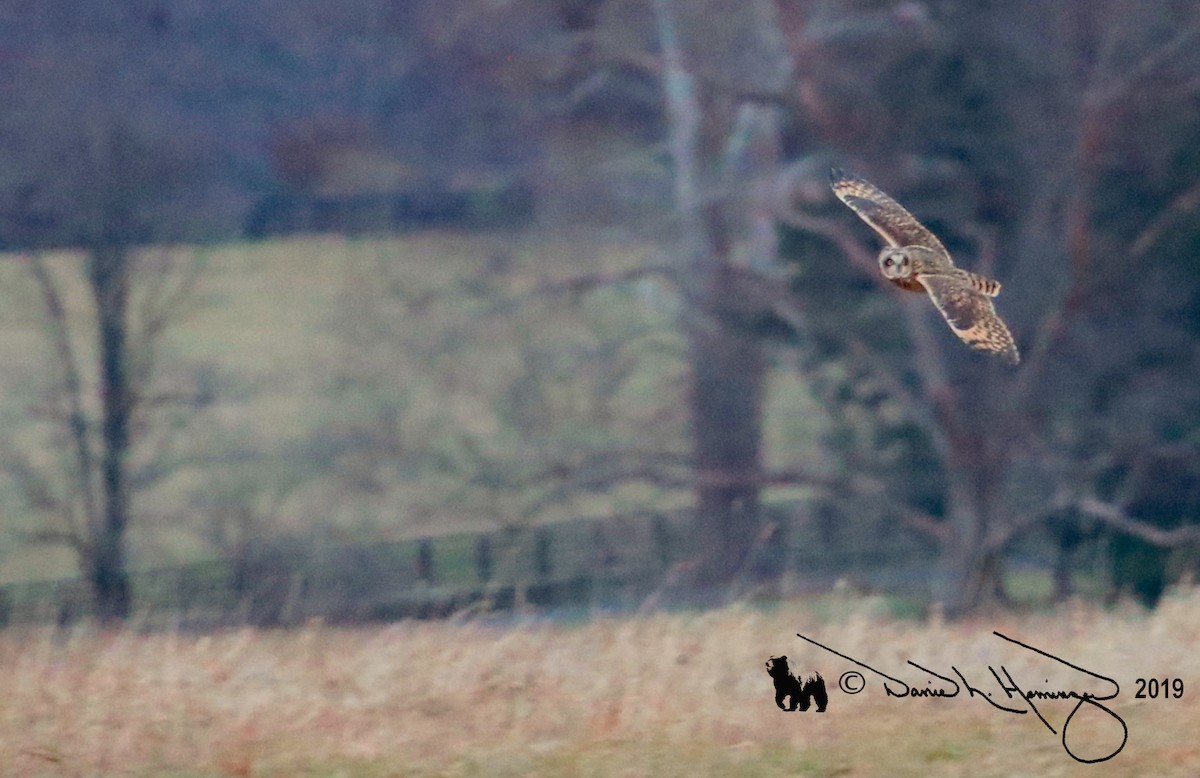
916,260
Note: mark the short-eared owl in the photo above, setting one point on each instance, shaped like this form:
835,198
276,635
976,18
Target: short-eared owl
916,260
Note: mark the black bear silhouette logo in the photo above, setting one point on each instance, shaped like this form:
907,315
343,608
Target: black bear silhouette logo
802,694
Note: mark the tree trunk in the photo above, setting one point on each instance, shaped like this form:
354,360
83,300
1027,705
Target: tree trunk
974,573
713,193
976,580
728,371
109,278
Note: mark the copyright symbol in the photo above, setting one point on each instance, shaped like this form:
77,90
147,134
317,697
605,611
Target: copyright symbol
852,682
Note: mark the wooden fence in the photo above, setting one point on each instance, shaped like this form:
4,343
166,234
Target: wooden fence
615,563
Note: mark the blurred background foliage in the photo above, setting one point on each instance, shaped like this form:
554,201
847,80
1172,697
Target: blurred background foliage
387,270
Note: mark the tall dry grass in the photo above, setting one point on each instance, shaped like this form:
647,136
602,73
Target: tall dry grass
661,694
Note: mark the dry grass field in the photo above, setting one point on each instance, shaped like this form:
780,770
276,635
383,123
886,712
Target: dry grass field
653,695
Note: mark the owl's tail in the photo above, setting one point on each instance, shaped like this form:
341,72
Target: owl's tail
988,286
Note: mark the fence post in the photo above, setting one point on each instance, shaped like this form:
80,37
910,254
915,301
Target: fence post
773,556
483,558
425,569
542,558
603,556
660,533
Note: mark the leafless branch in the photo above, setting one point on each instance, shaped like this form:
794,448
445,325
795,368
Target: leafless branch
32,483
600,473
940,531
833,231
56,319
581,284
1115,87
762,292
722,479
929,364
1113,516
51,537
1184,203
166,290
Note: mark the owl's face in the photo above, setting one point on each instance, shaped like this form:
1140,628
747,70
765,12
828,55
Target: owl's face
895,263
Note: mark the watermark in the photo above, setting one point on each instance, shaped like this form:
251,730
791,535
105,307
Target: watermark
800,693
1001,691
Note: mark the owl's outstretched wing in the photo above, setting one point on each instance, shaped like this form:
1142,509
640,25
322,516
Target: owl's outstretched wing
971,315
886,216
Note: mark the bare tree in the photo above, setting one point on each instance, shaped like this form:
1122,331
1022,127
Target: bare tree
1012,450
116,205
724,76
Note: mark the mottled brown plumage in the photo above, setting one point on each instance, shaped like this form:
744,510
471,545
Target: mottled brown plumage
916,260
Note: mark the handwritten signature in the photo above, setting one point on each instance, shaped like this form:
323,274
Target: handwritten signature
1010,688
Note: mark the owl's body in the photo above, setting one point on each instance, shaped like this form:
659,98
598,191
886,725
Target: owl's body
916,260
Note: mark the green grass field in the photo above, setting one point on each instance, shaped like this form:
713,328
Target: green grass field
663,694
347,382
372,389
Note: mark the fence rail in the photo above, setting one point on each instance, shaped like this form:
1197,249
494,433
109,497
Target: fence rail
617,562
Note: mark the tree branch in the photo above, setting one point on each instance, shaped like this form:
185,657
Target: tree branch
941,531
581,284
590,477
1113,87
1184,203
929,365
1113,516
722,479
53,537
56,318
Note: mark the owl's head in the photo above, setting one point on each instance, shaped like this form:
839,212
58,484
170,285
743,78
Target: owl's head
895,262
